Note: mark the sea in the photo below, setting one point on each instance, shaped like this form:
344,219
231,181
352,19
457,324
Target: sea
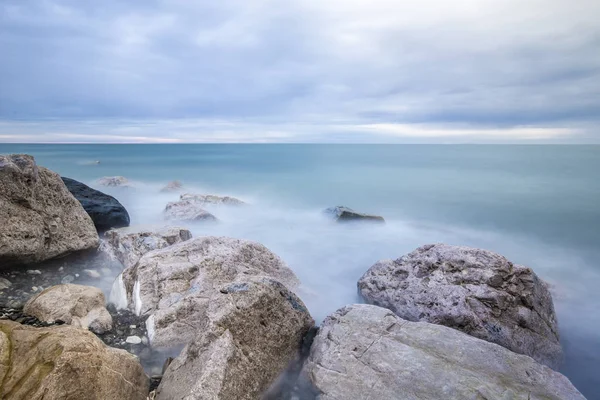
538,205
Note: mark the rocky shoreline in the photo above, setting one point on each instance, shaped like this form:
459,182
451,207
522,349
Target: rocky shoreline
223,318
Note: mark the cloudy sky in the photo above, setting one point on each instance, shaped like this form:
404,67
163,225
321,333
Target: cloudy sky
414,71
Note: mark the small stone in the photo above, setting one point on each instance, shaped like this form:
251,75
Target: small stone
133,340
34,288
34,272
67,279
61,269
76,275
145,340
132,326
4,283
92,273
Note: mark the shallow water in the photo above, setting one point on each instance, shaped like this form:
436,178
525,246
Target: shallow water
537,205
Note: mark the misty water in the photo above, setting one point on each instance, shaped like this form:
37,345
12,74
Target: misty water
537,205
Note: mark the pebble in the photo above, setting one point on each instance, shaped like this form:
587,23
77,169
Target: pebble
133,340
34,272
92,273
61,269
34,288
76,275
5,283
67,279
145,340
132,326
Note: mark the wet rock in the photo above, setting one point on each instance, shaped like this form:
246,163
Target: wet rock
77,305
186,210
34,272
133,340
92,273
345,214
37,363
4,283
174,286
67,279
475,291
113,181
105,210
173,186
209,199
39,218
251,332
364,351
129,244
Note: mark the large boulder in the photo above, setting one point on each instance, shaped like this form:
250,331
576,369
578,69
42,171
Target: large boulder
187,210
476,291
252,332
210,199
345,214
62,362
175,285
105,210
77,305
364,351
39,218
128,245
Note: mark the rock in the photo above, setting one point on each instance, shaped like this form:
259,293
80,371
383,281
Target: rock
173,186
113,181
186,210
34,272
77,305
345,214
206,199
174,286
133,340
39,218
476,291
92,273
67,279
105,210
62,362
128,245
4,283
252,331
364,351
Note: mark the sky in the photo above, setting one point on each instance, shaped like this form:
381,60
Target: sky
356,71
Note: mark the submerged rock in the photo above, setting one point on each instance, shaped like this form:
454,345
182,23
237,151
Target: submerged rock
208,199
345,214
113,181
39,218
251,332
173,186
77,305
475,291
62,362
128,245
174,286
364,351
186,210
105,210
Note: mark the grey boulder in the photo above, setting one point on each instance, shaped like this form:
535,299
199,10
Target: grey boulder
251,332
39,218
364,351
105,210
345,214
128,245
187,210
174,286
475,291
77,305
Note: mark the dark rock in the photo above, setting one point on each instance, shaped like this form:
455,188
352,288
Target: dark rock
105,210
345,214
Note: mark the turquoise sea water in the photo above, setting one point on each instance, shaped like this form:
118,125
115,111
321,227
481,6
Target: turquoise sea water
537,205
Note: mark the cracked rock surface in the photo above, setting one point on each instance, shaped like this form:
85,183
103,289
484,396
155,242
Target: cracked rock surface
367,352
475,291
39,218
174,286
251,332
62,362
